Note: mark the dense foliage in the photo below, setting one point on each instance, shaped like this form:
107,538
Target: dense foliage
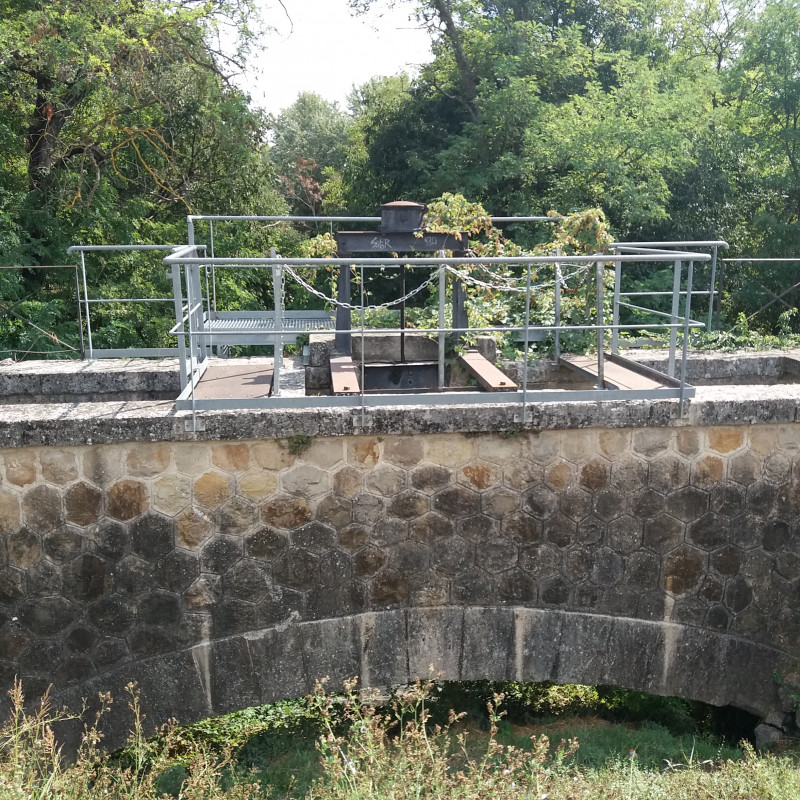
679,118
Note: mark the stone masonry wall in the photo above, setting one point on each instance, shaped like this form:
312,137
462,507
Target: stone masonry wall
117,553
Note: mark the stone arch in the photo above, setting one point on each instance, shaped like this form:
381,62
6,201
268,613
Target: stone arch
395,647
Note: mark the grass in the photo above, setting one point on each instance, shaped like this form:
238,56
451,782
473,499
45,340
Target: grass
348,747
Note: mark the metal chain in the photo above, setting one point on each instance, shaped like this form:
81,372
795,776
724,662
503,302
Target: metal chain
509,287
352,307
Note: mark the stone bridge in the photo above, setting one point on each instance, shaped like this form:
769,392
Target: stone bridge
615,543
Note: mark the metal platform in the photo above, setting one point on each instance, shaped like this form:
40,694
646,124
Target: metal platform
621,373
225,381
258,327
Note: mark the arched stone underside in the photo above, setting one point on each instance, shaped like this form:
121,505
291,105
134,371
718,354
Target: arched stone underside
386,648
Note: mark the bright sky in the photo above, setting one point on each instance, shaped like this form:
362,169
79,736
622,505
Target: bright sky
325,49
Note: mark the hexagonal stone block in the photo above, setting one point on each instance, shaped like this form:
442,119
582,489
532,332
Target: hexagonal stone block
522,474
9,512
305,480
405,451
230,457
456,502
236,516
266,544
540,502
204,593
147,459
743,468
609,505
738,595
717,618
389,532
727,500
560,530
409,558
523,528
177,570
710,589
577,564
220,554
498,555
84,504
368,509
20,467
41,508
193,528
745,531
63,544
689,611
191,458
650,442
24,548
474,587
363,452
555,591
127,499
385,480
171,494
727,560
668,472
368,561
647,503
112,614
624,534
662,533
683,569
273,455
283,511
613,442
212,489
499,502
558,476
642,570
708,532
88,577
335,511
629,474
314,536
595,475
407,505
777,535
12,585
258,484
111,540
335,568
761,498
575,503
725,440
540,560
58,466
687,442
247,581
388,588
480,475
777,467
479,528
590,530
353,537
578,446
449,450
296,569
347,481
152,536
607,567
452,555
687,504
429,478
430,527
46,616
499,449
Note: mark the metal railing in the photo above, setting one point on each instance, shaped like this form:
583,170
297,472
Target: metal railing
196,332
86,302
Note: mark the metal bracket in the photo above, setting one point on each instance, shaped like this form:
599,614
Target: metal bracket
194,425
527,418
362,421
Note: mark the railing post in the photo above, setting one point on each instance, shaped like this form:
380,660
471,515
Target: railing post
177,297
685,351
676,308
80,312
277,350
557,311
527,343
711,293
615,312
442,301
86,300
601,381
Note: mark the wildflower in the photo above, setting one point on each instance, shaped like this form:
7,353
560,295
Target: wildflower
631,754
